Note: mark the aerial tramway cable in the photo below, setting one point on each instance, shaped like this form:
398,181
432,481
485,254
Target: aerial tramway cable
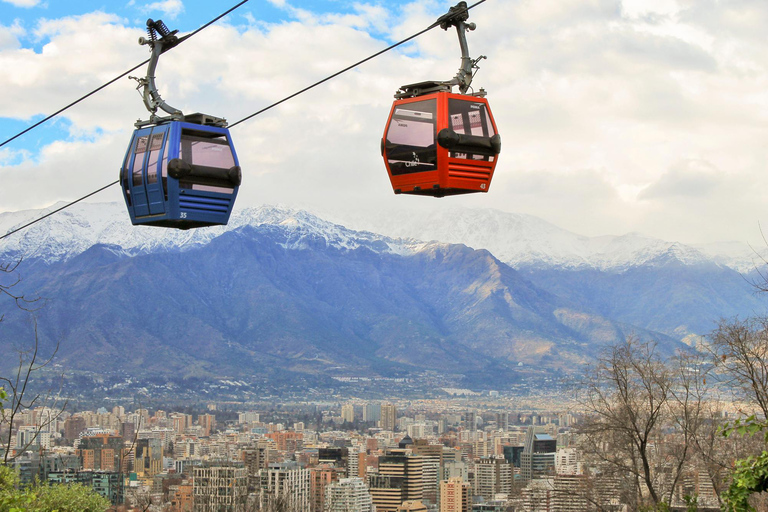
181,40
297,93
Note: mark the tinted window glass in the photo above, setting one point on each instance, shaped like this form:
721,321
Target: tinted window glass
410,145
470,118
206,149
138,158
156,145
209,152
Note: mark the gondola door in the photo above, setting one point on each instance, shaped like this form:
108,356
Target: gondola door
157,168
135,168
150,160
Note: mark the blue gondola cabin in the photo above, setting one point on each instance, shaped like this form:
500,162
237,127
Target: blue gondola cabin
180,174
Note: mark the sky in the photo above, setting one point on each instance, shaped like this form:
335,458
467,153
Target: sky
616,116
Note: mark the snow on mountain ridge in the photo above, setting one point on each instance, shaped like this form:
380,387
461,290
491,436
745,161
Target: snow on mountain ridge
519,240
522,240
73,231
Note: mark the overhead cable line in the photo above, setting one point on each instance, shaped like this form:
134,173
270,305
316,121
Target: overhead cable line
414,36
433,25
58,210
181,40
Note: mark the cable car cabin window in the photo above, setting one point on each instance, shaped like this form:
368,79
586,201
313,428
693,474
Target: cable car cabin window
164,169
124,175
156,145
138,159
411,145
211,150
470,118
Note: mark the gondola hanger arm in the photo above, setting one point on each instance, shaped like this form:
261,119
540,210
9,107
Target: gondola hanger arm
152,100
457,17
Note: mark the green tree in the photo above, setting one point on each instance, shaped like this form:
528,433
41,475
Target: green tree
740,352
47,498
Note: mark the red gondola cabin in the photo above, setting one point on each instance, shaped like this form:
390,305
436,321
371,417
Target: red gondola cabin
441,144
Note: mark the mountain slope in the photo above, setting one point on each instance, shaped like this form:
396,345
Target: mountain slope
262,298
281,291
652,284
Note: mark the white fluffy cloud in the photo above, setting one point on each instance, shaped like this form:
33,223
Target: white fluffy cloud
615,116
22,3
170,8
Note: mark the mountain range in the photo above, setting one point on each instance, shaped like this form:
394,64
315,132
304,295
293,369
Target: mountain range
475,295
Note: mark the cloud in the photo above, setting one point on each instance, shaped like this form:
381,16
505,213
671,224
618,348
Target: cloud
22,3
9,35
69,65
170,8
615,116
588,203
687,179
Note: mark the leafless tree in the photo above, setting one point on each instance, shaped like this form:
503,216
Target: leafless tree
16,390
644,413
9,280
740,352
21,397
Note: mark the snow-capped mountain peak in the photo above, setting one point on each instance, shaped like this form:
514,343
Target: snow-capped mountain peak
516,239
79,227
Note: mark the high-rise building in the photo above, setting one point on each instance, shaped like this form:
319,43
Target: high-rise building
148,458
353,463
433,460
348,495
73,426
286,441
128,431
493,476
455,495
30,437
538,457
388,416
180,422
337,457
286,483
430,480
539,494
248,417
570,493
470,421
513,454
454,469
502,420
255,460
405,472
221,488
420,430
101,452
568,461
348,413
372,412
321,477
386,491
208,422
